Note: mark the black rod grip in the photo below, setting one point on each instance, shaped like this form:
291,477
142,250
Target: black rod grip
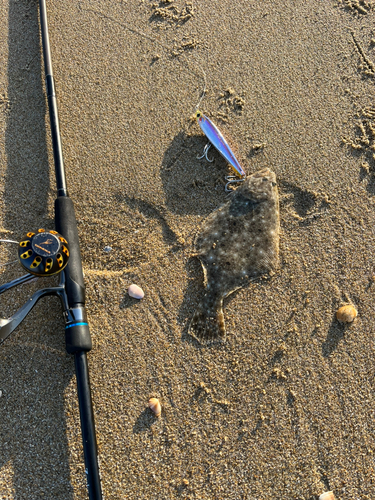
66,225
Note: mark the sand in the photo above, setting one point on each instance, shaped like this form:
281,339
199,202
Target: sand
284,410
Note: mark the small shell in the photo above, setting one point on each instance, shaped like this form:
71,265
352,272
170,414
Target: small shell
328,495
136,292
346,314
155,406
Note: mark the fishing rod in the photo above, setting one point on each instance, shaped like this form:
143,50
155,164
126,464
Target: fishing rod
45,253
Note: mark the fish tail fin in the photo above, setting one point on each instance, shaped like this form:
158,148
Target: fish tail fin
207,324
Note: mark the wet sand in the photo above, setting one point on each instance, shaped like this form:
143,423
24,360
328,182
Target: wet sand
285,408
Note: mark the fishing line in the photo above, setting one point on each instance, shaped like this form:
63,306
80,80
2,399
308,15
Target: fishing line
210,130
9,263
161,44
13,261
174,54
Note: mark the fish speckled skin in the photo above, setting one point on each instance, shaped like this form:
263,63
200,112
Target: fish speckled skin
238,242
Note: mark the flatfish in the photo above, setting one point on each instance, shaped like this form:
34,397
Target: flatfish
238,243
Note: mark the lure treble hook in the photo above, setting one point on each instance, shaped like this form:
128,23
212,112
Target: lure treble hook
205,151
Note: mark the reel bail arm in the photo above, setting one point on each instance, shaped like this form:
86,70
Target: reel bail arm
7,326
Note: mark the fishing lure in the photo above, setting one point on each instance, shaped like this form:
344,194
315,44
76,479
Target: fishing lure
216,139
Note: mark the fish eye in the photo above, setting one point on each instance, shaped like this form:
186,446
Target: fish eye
274,184
264,179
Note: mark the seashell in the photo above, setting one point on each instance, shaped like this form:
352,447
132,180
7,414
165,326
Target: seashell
136,292
328,495
155,406
346,314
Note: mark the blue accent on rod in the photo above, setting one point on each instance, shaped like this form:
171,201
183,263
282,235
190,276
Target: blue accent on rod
75,324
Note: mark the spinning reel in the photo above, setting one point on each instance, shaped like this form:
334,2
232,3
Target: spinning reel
46,253
43,253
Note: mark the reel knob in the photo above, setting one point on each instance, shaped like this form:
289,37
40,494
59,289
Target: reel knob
43,253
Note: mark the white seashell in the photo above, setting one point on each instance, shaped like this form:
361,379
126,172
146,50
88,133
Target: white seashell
328,495
155,406
136,292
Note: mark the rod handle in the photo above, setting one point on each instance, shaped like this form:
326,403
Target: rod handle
66,225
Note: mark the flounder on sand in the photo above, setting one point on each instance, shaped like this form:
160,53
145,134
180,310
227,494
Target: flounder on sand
239,242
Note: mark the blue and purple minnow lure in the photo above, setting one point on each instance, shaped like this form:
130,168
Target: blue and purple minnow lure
216,139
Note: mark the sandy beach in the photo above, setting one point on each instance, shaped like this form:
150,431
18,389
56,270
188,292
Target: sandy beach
285,408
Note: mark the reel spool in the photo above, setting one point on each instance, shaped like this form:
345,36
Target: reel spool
43,253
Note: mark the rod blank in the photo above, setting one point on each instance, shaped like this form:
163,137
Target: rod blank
52,104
